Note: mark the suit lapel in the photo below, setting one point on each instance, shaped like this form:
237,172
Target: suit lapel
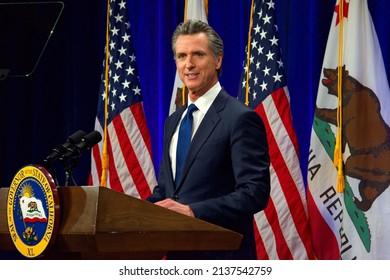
170,130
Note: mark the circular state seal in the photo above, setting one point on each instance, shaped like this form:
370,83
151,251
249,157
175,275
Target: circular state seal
32,210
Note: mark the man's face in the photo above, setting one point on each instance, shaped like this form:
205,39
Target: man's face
196,65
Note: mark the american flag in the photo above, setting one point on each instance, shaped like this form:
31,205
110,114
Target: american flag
129,157
281,230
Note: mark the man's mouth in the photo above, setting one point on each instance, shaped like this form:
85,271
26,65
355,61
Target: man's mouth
191,75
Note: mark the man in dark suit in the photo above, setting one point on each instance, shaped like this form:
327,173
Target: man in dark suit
224,178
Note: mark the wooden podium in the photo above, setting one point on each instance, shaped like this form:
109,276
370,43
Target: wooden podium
99,223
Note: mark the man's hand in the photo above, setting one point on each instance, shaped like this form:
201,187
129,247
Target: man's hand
176,206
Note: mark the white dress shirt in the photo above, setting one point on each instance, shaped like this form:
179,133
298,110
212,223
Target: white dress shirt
203,104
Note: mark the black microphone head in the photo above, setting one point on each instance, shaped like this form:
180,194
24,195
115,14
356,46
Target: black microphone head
76,137
88,141
91,139
59,150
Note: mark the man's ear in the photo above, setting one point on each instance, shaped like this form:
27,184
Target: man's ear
219,61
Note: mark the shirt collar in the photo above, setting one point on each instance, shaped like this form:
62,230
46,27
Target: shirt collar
204,102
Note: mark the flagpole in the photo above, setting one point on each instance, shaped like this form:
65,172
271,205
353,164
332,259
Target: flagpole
338,153
248,57
183,88
105,157
185,10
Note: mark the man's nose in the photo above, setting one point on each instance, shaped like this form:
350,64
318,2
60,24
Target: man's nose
189,63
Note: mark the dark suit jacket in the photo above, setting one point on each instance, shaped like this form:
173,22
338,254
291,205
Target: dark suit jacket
225,179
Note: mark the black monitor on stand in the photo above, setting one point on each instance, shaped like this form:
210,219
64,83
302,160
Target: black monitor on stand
25,30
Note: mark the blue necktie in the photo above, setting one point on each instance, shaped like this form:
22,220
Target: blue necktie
184,140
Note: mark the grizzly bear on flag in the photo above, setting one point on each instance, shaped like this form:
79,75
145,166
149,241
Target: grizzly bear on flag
365,133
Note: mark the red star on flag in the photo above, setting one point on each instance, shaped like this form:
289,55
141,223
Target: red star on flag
345,11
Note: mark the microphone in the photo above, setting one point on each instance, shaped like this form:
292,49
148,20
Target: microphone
87,142
60,150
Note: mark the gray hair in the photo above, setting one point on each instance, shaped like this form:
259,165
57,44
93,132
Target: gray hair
191,27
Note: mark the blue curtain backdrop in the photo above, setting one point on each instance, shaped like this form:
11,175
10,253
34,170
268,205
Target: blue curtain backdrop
39,112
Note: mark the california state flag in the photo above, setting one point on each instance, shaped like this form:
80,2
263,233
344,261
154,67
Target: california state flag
349,199
32,210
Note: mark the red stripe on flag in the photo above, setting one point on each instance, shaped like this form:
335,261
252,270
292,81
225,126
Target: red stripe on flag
287,184
282,248
140,119
131,159
290,189
270,210
260,248
325,243
283,106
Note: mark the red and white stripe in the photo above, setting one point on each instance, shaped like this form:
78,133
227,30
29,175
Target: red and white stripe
131,168
282,230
